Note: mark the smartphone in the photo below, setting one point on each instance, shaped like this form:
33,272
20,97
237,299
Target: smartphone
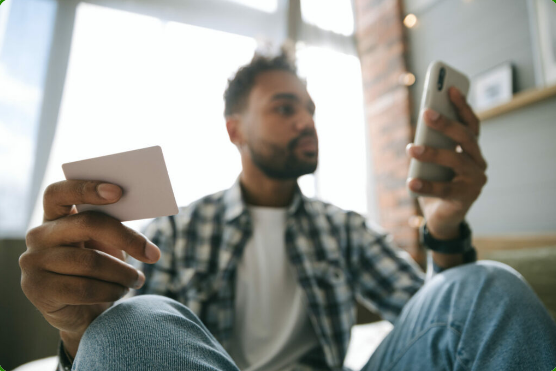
439,78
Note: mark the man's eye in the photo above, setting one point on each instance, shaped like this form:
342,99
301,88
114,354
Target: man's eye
286,110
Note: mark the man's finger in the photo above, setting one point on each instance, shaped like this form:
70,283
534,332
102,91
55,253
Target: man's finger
464,111
60,197
96,226
89,263
460,163
432,189
458,132
74,290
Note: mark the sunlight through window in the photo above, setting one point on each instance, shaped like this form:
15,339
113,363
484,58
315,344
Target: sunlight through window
334,82
331,15
25,41
139,81
268,6
149,83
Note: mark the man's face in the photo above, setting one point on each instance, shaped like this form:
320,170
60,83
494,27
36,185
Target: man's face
278,126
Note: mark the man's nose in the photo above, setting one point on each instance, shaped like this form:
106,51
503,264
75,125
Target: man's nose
306,121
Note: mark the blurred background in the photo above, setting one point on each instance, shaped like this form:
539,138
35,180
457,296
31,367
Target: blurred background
81,79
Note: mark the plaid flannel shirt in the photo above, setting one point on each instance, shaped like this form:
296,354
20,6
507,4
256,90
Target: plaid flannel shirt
338,257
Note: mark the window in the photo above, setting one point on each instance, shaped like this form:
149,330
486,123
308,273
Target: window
330,15
149,83
140,81
268,6
334,82
26,28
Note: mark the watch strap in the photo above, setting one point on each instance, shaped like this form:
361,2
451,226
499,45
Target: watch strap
65,361
458,245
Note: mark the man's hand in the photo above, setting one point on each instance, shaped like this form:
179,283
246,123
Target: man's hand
74,266
445,204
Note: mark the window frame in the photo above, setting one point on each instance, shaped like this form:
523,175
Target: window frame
286,22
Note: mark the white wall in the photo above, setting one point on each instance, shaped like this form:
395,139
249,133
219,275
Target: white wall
473,36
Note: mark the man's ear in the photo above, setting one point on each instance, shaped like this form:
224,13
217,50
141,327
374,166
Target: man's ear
235,129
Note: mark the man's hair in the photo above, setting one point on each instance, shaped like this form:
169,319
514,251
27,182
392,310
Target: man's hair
239,87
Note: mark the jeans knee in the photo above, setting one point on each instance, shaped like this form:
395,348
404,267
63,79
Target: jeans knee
483,269
141,303
138,314
487,275
123,331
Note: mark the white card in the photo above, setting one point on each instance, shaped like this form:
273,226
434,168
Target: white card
142,174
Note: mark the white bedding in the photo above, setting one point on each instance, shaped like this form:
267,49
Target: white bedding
45,364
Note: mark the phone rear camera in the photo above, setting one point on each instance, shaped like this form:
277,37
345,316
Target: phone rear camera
440,83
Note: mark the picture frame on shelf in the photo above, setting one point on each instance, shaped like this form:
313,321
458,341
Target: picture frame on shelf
542,14
492,87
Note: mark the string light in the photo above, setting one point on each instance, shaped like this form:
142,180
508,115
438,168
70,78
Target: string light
407,79
415,221
410,20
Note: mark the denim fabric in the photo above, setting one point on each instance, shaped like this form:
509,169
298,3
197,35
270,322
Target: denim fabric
479,316
150,332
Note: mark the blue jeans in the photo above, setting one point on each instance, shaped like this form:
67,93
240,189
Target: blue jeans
478,316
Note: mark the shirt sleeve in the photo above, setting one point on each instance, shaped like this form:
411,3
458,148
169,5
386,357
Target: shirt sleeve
387,276
160,276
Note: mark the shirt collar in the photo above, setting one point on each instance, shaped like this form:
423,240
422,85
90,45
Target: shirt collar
235,205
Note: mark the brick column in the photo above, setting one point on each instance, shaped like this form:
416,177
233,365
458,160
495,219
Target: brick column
382,48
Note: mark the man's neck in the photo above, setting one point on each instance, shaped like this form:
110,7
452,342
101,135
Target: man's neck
259,190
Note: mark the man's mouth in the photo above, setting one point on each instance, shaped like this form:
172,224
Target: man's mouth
308,144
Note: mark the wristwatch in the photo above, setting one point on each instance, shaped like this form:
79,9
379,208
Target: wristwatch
65,362
459,245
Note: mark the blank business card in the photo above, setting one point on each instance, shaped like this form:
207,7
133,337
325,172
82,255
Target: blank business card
142,174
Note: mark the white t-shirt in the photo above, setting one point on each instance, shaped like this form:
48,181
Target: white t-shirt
272,329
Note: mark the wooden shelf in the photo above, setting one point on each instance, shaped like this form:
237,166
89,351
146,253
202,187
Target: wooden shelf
513,242
519,100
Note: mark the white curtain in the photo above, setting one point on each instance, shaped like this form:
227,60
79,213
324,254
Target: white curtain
26,29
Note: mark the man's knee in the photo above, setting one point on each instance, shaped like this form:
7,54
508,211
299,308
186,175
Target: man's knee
139,332
127,327
495,279
144,306
147,304
483,270
128,318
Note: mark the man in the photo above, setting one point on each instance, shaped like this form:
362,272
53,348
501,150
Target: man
259,277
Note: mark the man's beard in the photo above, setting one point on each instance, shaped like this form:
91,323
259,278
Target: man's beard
281,163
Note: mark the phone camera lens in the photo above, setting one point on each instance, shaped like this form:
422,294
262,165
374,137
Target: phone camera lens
440,83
